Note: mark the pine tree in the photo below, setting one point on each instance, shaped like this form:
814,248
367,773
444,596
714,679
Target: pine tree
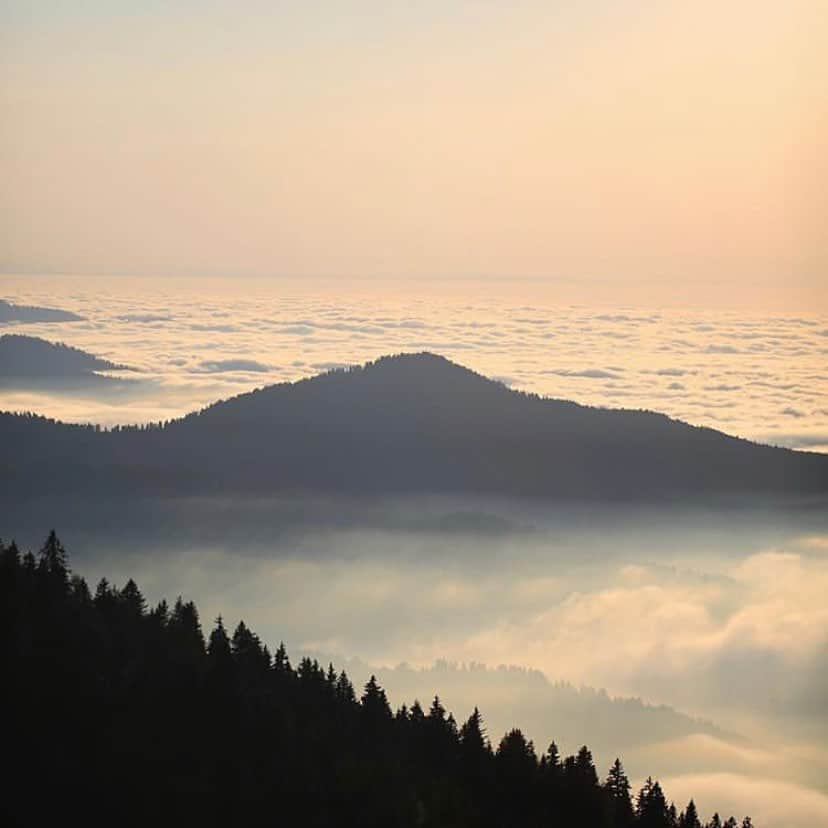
515,752
651,807
248,653
473,735
218,647
437,713
185,627
221,667
132,599
53,559
345,690
690,816
401,716
585,767
281,662
105,598
375,707
618,787
161,613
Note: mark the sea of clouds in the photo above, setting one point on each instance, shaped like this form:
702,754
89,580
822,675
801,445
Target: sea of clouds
761,376
719,616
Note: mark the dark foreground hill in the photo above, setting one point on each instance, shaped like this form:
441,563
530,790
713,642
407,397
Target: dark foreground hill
405,424
119,714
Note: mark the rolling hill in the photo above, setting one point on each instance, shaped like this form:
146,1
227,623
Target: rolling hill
412,423
29,357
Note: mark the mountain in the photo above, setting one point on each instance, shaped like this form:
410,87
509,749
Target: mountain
412,423
31,357
28,313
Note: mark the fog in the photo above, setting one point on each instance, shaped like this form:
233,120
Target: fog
719,616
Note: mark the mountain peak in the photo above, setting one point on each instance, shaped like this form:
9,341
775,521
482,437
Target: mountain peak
411,422
422,368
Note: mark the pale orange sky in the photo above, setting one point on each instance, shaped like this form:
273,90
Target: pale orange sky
630,150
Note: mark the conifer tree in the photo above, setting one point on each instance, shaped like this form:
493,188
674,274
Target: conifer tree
218,646
585,768
374,702
473,735
53,558
651,810
161,613
281,662
690,817
618,787
345,690
132,598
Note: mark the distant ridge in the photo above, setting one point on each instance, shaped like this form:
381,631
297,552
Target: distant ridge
410,423
32,357
30,313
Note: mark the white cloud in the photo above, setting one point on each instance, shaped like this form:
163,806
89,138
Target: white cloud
771,803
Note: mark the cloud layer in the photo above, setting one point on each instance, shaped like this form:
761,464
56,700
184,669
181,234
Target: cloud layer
717,616
757,376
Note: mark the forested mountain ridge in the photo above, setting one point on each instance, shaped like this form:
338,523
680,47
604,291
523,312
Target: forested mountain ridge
31,357
10,312
413,423
129,715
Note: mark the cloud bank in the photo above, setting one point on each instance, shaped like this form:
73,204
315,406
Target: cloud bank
757,376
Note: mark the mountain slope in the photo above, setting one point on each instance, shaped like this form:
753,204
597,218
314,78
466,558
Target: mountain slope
412,423
32,357
28,313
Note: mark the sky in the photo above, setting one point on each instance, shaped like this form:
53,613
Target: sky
667,152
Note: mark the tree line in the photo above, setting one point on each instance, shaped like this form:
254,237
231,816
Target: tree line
122,714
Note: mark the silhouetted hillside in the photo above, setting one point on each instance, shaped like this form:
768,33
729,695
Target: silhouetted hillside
131,716
573,714
31,357
409,423
28,313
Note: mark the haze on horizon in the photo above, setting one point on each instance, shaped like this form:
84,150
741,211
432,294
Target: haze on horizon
610,150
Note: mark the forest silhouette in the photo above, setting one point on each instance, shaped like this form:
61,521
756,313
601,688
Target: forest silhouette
118,713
